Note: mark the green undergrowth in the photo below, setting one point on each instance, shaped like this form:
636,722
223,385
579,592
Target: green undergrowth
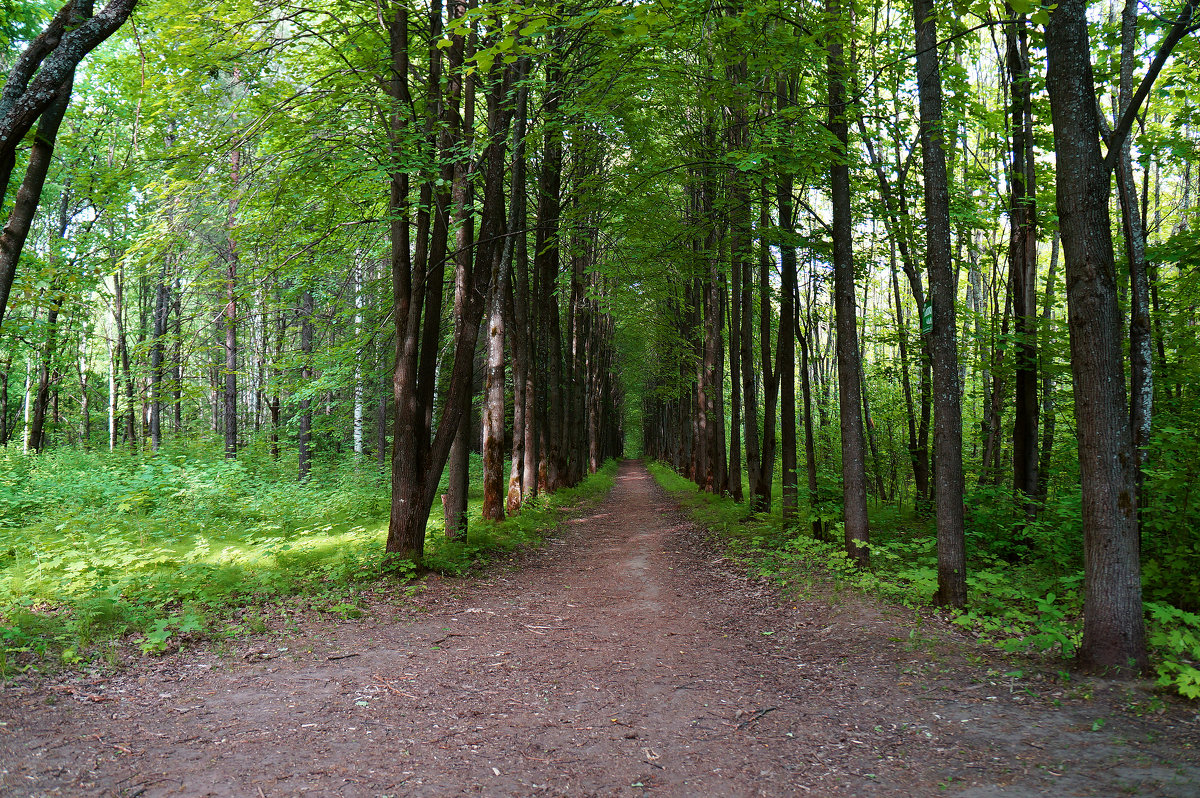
99,548
1017,602
485,539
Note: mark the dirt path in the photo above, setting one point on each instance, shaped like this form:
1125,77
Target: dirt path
626,658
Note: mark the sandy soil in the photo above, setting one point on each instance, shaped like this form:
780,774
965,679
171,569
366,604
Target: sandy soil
627,657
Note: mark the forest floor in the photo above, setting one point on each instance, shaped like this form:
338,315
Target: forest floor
626,657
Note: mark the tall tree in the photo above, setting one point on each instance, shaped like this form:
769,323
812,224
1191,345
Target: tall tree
158,343
229,413
1141,371
849,368
786,353
304,410
1022,265
518,329
947,429
1113,628
552,471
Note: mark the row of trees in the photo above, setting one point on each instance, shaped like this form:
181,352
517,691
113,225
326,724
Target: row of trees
720,299
218,306
797,241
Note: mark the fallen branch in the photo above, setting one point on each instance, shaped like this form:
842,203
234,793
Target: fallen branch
756,716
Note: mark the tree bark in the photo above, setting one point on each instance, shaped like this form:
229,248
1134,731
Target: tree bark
304,407
947,461
493,409
5,427
785,357
41,77
518,327
1114,630
20,219
770,375
158,343
357,280
454,500
177,362
1048,412
230,414
1022,269
1141,367
810,447
546,263
123,355
854,478
36,434
419,453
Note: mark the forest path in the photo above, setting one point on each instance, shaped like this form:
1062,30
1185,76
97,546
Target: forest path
625,658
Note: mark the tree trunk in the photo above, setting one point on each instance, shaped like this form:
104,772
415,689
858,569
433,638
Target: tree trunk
518,326
36,434
112,396
177,362
868,421
304,407
229,405
419,453
785,357
454,500
123,355
1022,269
546,263
158,343
810,448
947,461
1141,371
734,475
5,427
770,375
916,457
1113,630
39,86
854,477
493,409
27,404
356,280
41,155
1048,412
45,66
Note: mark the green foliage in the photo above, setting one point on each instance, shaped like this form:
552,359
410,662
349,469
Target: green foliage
1175,635
1025,587
21,21
96,546
1171,548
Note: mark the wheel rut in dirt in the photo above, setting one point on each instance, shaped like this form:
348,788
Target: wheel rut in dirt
627,657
